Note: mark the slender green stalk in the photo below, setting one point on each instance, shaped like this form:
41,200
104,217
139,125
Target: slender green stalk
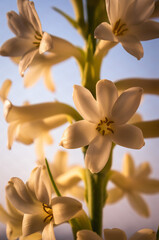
52,179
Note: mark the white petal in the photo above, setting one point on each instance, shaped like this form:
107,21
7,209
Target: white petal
104,32
15,47
65,208
48,232
48,80
143,170
148,186
32,223
132,45
138,204
87,234
98,153
34,236
106,94
26,60
114,195
4,216
86,104
5,88
147,30
126,105
114,234
32,75
12,133
128,166
128,136
78,134
144,234
46,43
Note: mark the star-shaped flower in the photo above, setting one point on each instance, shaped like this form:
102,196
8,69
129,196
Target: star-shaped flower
131,183
129,24
30,39
105,122
41,211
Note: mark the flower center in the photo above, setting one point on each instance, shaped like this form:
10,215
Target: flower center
49,212
38,38
119,28
104,127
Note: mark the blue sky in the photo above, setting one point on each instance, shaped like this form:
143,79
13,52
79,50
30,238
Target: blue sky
117,65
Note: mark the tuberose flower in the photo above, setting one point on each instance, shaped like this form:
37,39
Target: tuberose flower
116,233
105,122
132,182
129,24
41,211
30,39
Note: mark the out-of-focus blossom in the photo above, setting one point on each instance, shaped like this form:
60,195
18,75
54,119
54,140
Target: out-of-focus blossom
133,182
4,90
30,39
117,234
13,219
41,211
105,122
129,24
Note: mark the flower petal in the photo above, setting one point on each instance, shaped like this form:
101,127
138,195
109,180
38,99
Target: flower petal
46,43
34,236
143,170
144,234
128,166
106,94
78,134
5,88
48,232
32,75
26,60
32,223
146,30
48,80
98,153
114,234
15,47
65,208
138,204
87,234
104,32
114,195
126,105
4,216
148,186
12,128
86,104
132,45
128,136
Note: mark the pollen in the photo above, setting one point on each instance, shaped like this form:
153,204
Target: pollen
119,28
48,210
105,127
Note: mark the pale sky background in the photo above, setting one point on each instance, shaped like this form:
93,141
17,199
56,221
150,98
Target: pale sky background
19,161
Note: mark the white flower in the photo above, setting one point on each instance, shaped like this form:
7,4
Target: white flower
132,182
117,234
40,210
4,90
129,24
29,39
105,121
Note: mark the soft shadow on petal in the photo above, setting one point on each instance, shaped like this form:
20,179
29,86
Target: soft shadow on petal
46,43
65,208
26,60
34,236
128,136
98,153
78,134
106,94
138,204
133,46
32,223
87,234
144,234
86,104
114,195
126,105
48,232
114,234
104,32
4,216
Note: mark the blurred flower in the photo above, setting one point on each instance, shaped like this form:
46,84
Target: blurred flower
29,39
13,220
129,24
105,121
115,233
130,183
4,90
40,210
